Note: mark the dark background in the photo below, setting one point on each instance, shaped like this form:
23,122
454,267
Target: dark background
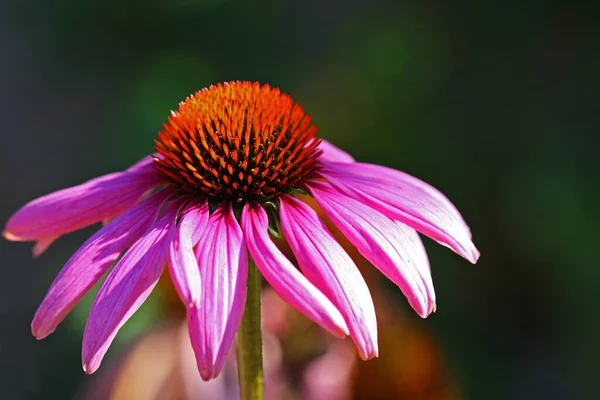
494,103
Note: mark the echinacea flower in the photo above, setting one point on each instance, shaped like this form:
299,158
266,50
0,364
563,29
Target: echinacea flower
229,165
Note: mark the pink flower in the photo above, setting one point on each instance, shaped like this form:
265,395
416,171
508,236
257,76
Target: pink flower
229,163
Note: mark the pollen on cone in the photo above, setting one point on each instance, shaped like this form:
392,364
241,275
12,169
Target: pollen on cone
238,141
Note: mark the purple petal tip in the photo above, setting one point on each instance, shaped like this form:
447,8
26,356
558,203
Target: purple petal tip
470,253
42,245
205,374
474,255
38,334
426,313
374,353
88,369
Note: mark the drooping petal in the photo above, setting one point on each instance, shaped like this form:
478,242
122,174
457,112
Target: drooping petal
331,269
407,199
183,265
285,279
223,276
70,209
399,179
332,153
416,251
393,248
127,287
91,261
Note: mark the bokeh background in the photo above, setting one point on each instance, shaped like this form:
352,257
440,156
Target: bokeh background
494,103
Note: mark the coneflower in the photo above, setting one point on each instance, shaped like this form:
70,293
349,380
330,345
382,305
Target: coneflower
228,167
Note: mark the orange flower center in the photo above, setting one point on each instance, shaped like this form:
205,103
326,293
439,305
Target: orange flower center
238,141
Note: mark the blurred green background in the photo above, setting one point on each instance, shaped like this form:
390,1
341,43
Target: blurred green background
496,104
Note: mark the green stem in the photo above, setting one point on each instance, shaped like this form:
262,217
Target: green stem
249,341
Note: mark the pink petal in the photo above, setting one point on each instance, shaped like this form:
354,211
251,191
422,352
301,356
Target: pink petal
407,199
332,153
91,261
223,277
79,206
330,269
127,287
393,248
399,179
287,281
183,265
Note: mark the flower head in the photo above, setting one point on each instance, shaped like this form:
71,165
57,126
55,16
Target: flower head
238,142
229,164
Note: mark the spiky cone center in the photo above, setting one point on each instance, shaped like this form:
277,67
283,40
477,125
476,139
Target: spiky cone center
238,141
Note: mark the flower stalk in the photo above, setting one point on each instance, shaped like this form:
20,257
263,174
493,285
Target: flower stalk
249,341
